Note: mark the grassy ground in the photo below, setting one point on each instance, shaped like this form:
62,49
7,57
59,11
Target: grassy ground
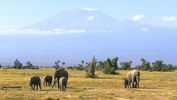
153,86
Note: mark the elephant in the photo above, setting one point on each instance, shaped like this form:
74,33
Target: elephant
133,78
62,83
35,81
58,74
48,80
126,83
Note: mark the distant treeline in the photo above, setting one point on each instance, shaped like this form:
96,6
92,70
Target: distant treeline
108,66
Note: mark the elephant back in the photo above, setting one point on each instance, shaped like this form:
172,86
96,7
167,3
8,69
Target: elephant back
35,80
131,74
61,73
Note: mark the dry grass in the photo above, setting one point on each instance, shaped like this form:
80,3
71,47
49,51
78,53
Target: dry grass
153,86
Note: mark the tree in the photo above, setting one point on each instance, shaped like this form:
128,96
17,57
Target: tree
114,63
90,70
157,65
171,67
100,65
79,67
29,65
126,65
164,67
144,65
82,62
108,67
17,64
0,66
57,64
63,63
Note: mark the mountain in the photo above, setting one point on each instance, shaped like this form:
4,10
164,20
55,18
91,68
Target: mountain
86,32
87,19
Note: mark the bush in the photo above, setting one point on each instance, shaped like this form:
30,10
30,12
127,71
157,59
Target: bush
70,67
79,67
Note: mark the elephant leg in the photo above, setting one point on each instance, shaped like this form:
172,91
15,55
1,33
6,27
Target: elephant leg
54,84
60,88
125,85
34,87
40,87
64,88
66,83
132,85
58,84
37,87
137,84
129,84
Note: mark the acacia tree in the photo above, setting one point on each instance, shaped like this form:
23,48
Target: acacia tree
108,67
57,64
157,65
82,62
90,70
63,63
29,65
114,63
144,65
126,65
17,64
100,65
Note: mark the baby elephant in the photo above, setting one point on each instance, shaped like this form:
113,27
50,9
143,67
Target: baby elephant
126,85
35,81
63,83
47,80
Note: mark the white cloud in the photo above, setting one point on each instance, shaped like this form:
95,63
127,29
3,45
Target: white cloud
144,29
89,9
90,18
75,31
40,32
138,17
169,18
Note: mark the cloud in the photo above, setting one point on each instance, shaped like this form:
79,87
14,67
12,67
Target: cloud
137,18
89,9
144,29
40,32
169,18
90,18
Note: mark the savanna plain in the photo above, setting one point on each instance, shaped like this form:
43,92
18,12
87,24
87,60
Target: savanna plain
14,85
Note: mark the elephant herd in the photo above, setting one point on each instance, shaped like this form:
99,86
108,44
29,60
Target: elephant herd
61,78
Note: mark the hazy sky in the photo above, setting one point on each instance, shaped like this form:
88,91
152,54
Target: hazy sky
20,13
